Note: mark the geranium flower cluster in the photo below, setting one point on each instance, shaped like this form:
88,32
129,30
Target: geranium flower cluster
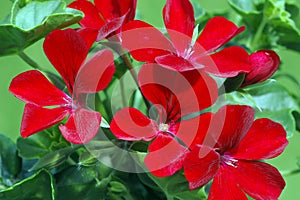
177,80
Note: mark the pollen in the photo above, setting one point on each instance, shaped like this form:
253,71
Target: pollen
163,127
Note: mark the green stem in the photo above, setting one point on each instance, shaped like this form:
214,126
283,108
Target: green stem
255,42
133,73
29,61
129,66
123,92
290,172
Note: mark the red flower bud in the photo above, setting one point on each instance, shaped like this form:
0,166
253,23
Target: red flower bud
264,63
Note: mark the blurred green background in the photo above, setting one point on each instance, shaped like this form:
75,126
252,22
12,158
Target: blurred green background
150,10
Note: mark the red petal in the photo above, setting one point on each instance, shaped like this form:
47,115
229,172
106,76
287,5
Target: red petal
110,27
157,85
96,73
265,139
173,154
91,19
200,166
202,93
173,62
111,9
89,35
36,118
81,127
151,42
132,125
179,21
230,124
217,32
224,187
194,131
230,62
178,94
33,87
66,50
259,180
264,64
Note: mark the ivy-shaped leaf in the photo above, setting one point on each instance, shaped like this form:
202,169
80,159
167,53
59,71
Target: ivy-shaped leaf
38,186
33,20
42,143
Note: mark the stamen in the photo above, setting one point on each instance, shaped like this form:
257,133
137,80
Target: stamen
228,160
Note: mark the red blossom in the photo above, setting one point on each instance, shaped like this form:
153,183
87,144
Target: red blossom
233,161
46,105
181,54
173,96
264,64
105,16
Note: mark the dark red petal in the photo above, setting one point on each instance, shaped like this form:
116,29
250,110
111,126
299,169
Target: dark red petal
202,93
200,166
264,64
91,19
33,87
66,50
89,35
173,62
225,187
157,85
150,43
259,180
132,125
81,127
96,73
177,93
265,139
229,62
179,21
166,156
230,124
194,131
111,9
217,32
36,118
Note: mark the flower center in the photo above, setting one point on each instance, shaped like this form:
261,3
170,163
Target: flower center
228,160
163,127
188,52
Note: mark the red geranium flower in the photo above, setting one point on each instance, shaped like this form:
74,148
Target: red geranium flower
46,105
174,96
105,17
233,160
147,44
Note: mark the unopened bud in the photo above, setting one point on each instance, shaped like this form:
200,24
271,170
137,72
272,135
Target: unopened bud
264,64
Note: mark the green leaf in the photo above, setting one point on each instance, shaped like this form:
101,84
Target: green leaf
42,143
39,186
10,162
248,9
272,101
32,21
79,182
284,22
54,158
176,186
